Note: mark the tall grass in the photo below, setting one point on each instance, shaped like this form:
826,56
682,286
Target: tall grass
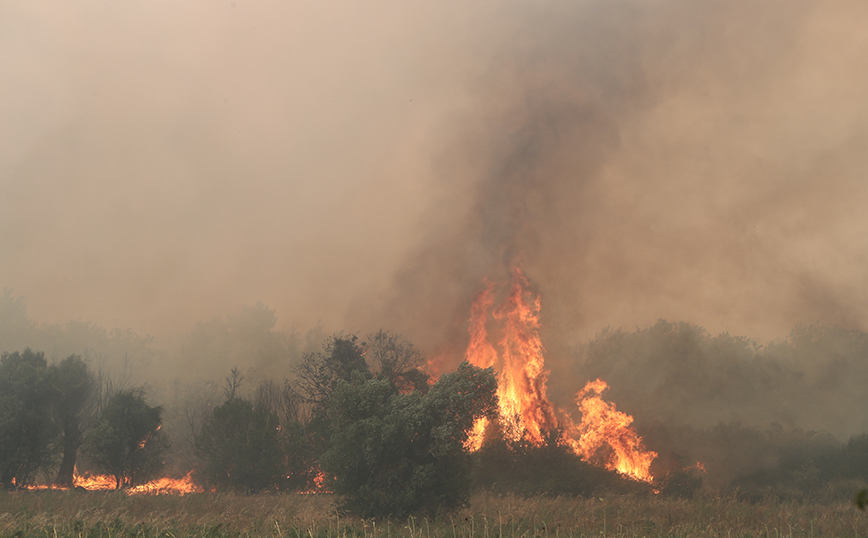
55,514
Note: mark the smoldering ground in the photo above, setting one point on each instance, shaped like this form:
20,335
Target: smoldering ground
369,167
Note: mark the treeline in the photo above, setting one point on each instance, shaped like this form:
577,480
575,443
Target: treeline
49,412
677,373
362,416
762,419
362,419
755,463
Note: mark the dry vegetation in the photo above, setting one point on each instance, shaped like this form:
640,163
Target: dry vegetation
50,514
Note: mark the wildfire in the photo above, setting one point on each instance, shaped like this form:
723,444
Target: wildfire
525,410
175,486
603,437
318,484
101,482
93,482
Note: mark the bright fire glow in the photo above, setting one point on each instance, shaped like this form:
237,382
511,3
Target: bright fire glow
318,484
525,410
603,437
175,486
101,482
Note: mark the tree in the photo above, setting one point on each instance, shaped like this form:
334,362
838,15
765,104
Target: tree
74,410
317,377
27,431
126,441
396,360
319,372
396,454
240,448
299,463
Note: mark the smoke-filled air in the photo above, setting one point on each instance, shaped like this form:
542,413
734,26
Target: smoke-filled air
623,239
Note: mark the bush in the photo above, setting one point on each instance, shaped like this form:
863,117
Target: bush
396,454
127,441
240,447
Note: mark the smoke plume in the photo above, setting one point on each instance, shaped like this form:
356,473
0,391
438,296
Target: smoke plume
646,160
360,166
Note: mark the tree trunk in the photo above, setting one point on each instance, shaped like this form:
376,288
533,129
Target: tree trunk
71,441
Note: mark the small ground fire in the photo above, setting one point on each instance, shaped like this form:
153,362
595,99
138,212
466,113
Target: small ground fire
101,482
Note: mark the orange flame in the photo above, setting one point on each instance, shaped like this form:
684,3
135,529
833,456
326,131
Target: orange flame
525,409
603,437
93,481
102,482
318,484
174,486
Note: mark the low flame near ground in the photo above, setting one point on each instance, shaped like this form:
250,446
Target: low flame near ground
101,482
604,436
318,486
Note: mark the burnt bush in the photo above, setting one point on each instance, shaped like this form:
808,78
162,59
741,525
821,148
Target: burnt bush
520,467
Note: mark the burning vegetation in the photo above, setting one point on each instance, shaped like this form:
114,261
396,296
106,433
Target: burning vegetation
603,436
101,482
366,420
306,435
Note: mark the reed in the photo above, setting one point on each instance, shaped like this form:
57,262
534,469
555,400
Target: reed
58,514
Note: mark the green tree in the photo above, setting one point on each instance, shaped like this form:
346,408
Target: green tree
27,431
74,410
240,447
397,454
126,441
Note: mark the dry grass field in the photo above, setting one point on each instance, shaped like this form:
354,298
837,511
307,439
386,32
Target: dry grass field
50,514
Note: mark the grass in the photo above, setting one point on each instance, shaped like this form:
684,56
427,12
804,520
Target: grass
56,514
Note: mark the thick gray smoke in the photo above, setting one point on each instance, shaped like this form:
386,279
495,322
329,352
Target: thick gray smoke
642,160
368,165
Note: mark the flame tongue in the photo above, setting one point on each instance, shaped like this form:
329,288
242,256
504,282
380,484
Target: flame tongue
176,486
604,436
525,410
604,430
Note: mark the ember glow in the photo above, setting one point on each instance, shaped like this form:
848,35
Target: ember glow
604,436
319,485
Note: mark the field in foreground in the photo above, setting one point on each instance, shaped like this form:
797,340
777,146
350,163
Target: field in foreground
50,514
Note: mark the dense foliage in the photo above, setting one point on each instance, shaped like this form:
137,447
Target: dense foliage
396,454
502,466
126,441
240,448
27,429
390,442
75,409
678,373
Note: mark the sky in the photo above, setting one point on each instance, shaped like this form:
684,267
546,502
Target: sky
367,164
